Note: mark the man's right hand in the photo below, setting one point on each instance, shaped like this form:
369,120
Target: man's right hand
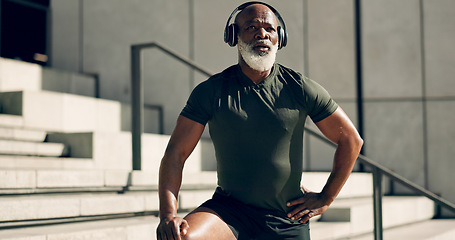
172,228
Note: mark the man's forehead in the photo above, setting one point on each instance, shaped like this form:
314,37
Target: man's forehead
256,13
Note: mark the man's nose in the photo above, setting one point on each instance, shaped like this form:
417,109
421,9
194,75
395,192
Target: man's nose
262,34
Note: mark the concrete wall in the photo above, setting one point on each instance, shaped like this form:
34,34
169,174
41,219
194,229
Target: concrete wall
393,86
409,89
408,58
105,31
95,37
439,83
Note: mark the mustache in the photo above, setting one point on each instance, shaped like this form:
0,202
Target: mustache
268,43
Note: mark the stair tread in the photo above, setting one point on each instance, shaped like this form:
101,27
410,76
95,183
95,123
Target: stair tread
21,162
71,113
356,202
100,227
9,120
22,134
146,225
63,205
19,147
329,230
435,229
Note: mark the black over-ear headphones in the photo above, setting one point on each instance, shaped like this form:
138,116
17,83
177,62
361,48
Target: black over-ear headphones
231,30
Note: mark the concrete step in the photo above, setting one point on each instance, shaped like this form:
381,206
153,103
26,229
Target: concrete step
13,147
329,230
355,216
8,120
113,150
71,172
17,208
53,179
62,112
17,162
22,134
108,149
435,229
71,178
136,228
18,76
358,184
53,206
36,179
49,203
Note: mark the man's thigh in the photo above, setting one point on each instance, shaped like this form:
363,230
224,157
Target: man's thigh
204,223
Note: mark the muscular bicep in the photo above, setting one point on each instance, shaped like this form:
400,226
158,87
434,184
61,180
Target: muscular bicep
185,137
338,127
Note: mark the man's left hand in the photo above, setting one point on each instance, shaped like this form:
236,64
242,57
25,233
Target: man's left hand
310,205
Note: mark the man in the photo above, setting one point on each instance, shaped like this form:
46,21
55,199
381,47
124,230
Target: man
256,112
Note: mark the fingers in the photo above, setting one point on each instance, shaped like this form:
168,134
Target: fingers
298,212
170,233
306,217
306,207
175,231
297,201
300,206
172,229
301,214
184,227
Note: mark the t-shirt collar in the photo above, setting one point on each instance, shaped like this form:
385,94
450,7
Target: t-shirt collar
245,80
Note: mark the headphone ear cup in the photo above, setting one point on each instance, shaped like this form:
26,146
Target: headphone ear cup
230,35
284,37
282,40
226,37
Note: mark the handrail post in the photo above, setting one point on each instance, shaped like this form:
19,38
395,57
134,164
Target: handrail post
379,171
137,103
377,203
137,95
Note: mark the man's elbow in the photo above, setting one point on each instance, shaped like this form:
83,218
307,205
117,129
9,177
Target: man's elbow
357,142
353,141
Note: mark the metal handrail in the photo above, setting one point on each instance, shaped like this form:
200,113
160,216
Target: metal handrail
137,93
377,170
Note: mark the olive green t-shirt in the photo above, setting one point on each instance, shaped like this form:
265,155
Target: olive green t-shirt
257,131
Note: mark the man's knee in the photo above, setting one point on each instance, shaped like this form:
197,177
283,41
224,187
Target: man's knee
190,236
204,223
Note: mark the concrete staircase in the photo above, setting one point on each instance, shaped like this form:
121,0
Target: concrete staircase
65,173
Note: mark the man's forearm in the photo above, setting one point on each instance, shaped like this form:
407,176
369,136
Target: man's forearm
170,179
344,160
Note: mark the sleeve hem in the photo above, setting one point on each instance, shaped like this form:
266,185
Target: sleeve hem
191,117
325,114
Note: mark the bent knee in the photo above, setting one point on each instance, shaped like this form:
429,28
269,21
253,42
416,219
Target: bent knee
208,235
189,236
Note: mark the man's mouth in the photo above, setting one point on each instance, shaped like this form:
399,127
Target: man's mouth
261,47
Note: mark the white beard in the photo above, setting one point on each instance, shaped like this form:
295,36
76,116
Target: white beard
259,62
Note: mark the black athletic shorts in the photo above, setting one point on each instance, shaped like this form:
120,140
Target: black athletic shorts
248,222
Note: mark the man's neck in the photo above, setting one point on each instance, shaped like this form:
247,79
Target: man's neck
255,75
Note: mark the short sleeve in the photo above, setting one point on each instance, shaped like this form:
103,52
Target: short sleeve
199,105
319,103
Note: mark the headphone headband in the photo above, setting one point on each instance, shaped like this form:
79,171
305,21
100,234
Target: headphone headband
230,31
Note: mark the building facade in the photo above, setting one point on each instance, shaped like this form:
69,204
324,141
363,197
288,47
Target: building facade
407,64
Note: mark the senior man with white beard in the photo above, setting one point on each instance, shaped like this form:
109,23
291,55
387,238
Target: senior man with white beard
256,112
